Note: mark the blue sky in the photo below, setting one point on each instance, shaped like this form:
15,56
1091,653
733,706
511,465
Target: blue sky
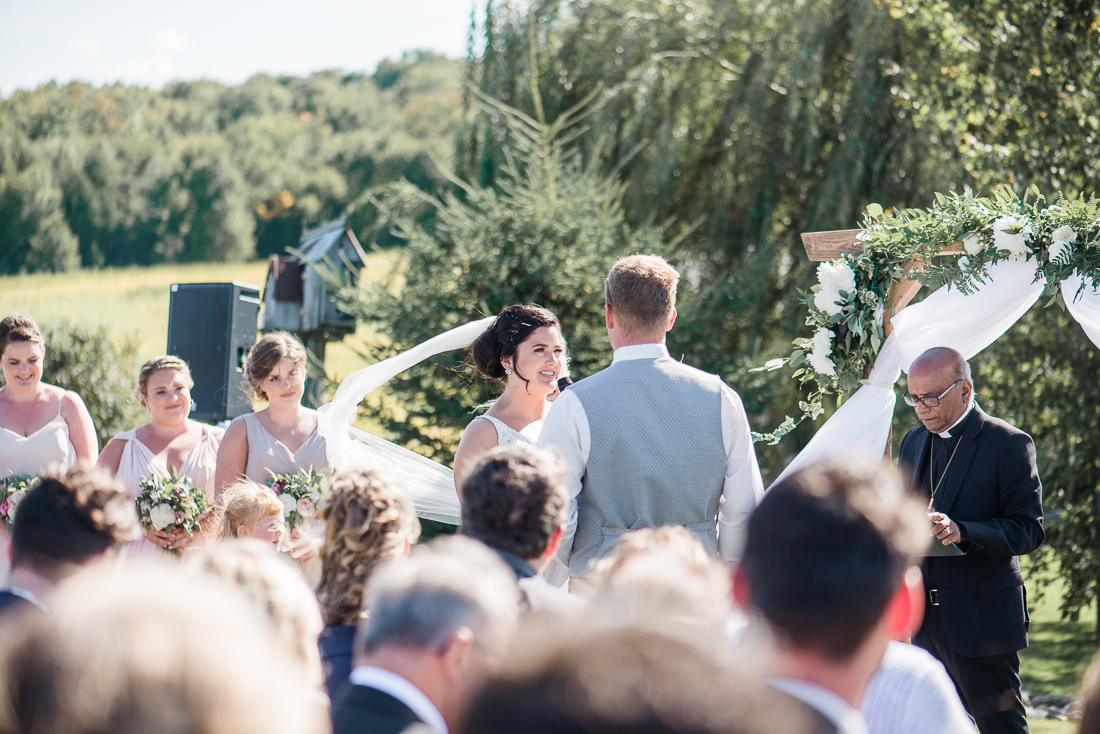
151,42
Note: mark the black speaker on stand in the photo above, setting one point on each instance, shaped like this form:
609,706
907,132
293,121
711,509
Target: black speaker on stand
212,326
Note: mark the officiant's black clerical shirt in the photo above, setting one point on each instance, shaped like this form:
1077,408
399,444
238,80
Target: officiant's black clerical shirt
943,447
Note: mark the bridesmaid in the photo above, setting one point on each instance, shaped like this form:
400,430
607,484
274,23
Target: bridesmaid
40,424
524,351
282,438
169,443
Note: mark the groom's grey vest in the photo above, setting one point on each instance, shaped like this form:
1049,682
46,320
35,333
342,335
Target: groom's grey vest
657,456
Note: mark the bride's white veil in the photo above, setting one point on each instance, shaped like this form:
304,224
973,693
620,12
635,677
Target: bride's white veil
430,485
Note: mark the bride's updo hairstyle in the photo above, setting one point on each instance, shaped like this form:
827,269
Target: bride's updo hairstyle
512,327
268,353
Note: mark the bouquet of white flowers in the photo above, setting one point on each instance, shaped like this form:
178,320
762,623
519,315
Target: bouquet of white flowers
172,503
299,492
13,488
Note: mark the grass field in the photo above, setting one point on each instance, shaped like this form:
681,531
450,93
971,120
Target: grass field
134,302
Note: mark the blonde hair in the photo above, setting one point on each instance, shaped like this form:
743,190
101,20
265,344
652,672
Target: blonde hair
242,506
366,517
641,290
16,328
155,365
663,573
258,572
266,355
151,650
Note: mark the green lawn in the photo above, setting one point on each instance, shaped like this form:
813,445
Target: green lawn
1060,650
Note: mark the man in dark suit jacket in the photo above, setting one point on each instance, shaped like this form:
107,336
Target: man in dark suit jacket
978,474
438,622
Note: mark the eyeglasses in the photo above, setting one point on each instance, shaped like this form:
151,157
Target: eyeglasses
912,400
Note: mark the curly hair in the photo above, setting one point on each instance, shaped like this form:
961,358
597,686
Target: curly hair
514,500
71,515
366,516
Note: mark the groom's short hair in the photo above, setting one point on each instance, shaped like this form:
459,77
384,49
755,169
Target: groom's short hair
641,290
826,550
514,500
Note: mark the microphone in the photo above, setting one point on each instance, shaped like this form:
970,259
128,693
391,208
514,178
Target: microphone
563,383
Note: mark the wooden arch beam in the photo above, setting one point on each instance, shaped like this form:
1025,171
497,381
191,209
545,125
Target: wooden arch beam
821,246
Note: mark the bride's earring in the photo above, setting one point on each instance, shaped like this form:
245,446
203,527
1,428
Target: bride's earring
507,370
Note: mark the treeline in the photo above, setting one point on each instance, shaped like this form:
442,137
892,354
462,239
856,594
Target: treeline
199,171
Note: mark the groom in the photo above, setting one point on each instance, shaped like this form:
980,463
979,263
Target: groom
650,441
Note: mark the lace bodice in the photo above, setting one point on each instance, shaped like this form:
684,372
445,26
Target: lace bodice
506,435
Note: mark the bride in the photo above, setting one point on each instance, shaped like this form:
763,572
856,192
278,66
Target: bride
523,350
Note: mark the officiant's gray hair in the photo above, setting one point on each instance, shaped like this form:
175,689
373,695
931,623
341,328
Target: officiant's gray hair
420,601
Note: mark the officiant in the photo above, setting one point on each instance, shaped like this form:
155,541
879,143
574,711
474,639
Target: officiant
978,475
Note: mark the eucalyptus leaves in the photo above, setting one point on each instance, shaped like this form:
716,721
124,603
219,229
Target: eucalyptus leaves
847,304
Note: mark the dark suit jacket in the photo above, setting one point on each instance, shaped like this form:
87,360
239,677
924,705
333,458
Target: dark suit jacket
992,489
365,710
336,644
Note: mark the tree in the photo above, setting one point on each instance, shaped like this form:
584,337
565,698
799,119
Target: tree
545,233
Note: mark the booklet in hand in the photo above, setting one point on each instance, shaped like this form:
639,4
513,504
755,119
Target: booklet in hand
936,548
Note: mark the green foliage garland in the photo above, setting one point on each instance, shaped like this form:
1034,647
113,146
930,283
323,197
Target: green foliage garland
846,306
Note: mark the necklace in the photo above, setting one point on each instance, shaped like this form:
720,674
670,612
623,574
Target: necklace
931,454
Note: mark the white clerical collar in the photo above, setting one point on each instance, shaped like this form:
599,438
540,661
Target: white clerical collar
839,712
947,433
403,690
640,351
29,596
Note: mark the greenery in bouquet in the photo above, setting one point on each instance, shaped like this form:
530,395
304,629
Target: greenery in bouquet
171,503
847,304
299,493
13,488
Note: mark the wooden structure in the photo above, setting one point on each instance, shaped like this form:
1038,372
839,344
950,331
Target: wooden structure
298,299
821,246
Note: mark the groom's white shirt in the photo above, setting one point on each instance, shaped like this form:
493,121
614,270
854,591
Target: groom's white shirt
566,430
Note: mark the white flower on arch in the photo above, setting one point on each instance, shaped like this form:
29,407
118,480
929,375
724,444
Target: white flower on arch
1014,242
826,300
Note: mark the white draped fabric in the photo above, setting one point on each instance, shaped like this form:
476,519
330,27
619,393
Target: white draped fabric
430,485
1084,307
947,318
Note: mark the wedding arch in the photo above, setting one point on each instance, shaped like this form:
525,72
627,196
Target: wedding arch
988,260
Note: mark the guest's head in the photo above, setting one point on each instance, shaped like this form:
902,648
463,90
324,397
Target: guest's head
277,589
640,292
941,388
277,368
151,650
829,565
70,519
22,352
514,500
164,388
1089,699
621,680
368,520
664,577
523,348
441,618
247,510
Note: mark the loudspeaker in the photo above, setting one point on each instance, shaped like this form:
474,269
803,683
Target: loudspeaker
212,326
